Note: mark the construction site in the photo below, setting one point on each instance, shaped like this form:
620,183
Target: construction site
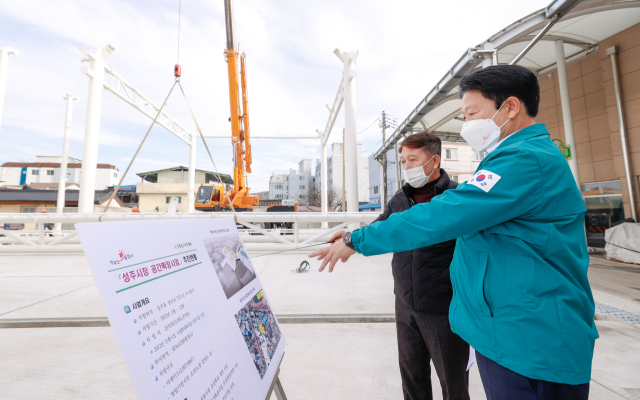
194,154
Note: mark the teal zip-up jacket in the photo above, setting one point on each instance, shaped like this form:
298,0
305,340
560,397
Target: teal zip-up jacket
521,296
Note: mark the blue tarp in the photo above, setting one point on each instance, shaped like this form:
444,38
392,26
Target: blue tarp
369,206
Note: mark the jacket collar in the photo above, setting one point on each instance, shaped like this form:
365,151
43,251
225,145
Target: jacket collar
523,134
516,138
441,185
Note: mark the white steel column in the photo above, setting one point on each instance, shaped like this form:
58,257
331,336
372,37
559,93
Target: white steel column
324,181
324,137
65,156
567,116
351,141
191,176
4,66
92,127
611,52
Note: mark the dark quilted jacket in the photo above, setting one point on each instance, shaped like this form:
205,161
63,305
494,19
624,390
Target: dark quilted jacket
421,277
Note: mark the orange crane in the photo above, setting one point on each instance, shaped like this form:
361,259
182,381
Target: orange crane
214,197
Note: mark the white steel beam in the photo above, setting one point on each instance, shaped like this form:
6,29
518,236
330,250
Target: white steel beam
4,66
324,137
191,175
565,101
261,137
135,98
62,185
351,140
92,127
142,103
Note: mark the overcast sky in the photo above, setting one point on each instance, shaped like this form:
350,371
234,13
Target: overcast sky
405,47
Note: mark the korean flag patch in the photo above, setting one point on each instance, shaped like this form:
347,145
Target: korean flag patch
484,179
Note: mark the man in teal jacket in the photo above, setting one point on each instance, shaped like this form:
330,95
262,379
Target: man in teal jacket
521,294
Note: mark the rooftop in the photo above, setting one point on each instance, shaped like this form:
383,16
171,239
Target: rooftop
49,196
152,176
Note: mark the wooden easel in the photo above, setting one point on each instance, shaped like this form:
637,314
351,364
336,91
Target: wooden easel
276,385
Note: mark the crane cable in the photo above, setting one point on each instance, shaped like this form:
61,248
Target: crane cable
179,18
137,151
205,145
177,74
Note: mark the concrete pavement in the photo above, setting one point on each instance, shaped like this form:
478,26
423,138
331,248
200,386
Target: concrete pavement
338,361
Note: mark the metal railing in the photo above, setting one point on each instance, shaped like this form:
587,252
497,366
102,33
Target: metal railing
305,229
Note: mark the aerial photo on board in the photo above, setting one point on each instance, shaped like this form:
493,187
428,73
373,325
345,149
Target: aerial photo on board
232,264
260,331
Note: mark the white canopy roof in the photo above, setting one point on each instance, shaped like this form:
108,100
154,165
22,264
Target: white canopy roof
582,25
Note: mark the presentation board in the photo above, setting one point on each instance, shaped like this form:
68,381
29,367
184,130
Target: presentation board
187,307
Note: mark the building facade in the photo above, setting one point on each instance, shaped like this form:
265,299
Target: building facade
161,185
335,169
46,169
292,184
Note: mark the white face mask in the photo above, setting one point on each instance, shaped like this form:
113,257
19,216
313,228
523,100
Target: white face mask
482,133
416,176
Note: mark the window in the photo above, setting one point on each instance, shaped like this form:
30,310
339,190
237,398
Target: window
455,178
115,174
376,189
450,154
301,186
478,156
604,208
204,194
287,178
302,178
278,196
29,209
35,172
49,172
287,187
179,199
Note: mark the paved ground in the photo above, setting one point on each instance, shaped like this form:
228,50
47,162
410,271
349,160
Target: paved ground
337,361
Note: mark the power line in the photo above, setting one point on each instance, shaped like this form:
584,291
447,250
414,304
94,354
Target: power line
374,121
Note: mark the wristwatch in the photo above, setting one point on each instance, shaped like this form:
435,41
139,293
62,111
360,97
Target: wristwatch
347,241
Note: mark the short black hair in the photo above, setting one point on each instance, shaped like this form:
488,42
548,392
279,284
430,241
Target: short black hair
500,82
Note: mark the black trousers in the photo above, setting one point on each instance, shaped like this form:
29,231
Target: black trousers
501,383
423,337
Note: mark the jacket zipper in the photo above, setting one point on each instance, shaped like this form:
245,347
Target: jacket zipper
413,280
413,257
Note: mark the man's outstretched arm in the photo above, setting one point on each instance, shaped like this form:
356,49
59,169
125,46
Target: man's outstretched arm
455,213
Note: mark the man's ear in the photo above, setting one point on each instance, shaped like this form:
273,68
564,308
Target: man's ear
514,107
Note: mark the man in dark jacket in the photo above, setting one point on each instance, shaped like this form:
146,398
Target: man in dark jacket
422,284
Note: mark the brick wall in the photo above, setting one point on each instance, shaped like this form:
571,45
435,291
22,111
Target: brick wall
595,119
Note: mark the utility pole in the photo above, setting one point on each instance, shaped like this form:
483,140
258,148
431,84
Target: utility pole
62,185
344,151
383,164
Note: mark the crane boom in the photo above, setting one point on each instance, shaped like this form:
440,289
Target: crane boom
213,197
245,115
239,118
